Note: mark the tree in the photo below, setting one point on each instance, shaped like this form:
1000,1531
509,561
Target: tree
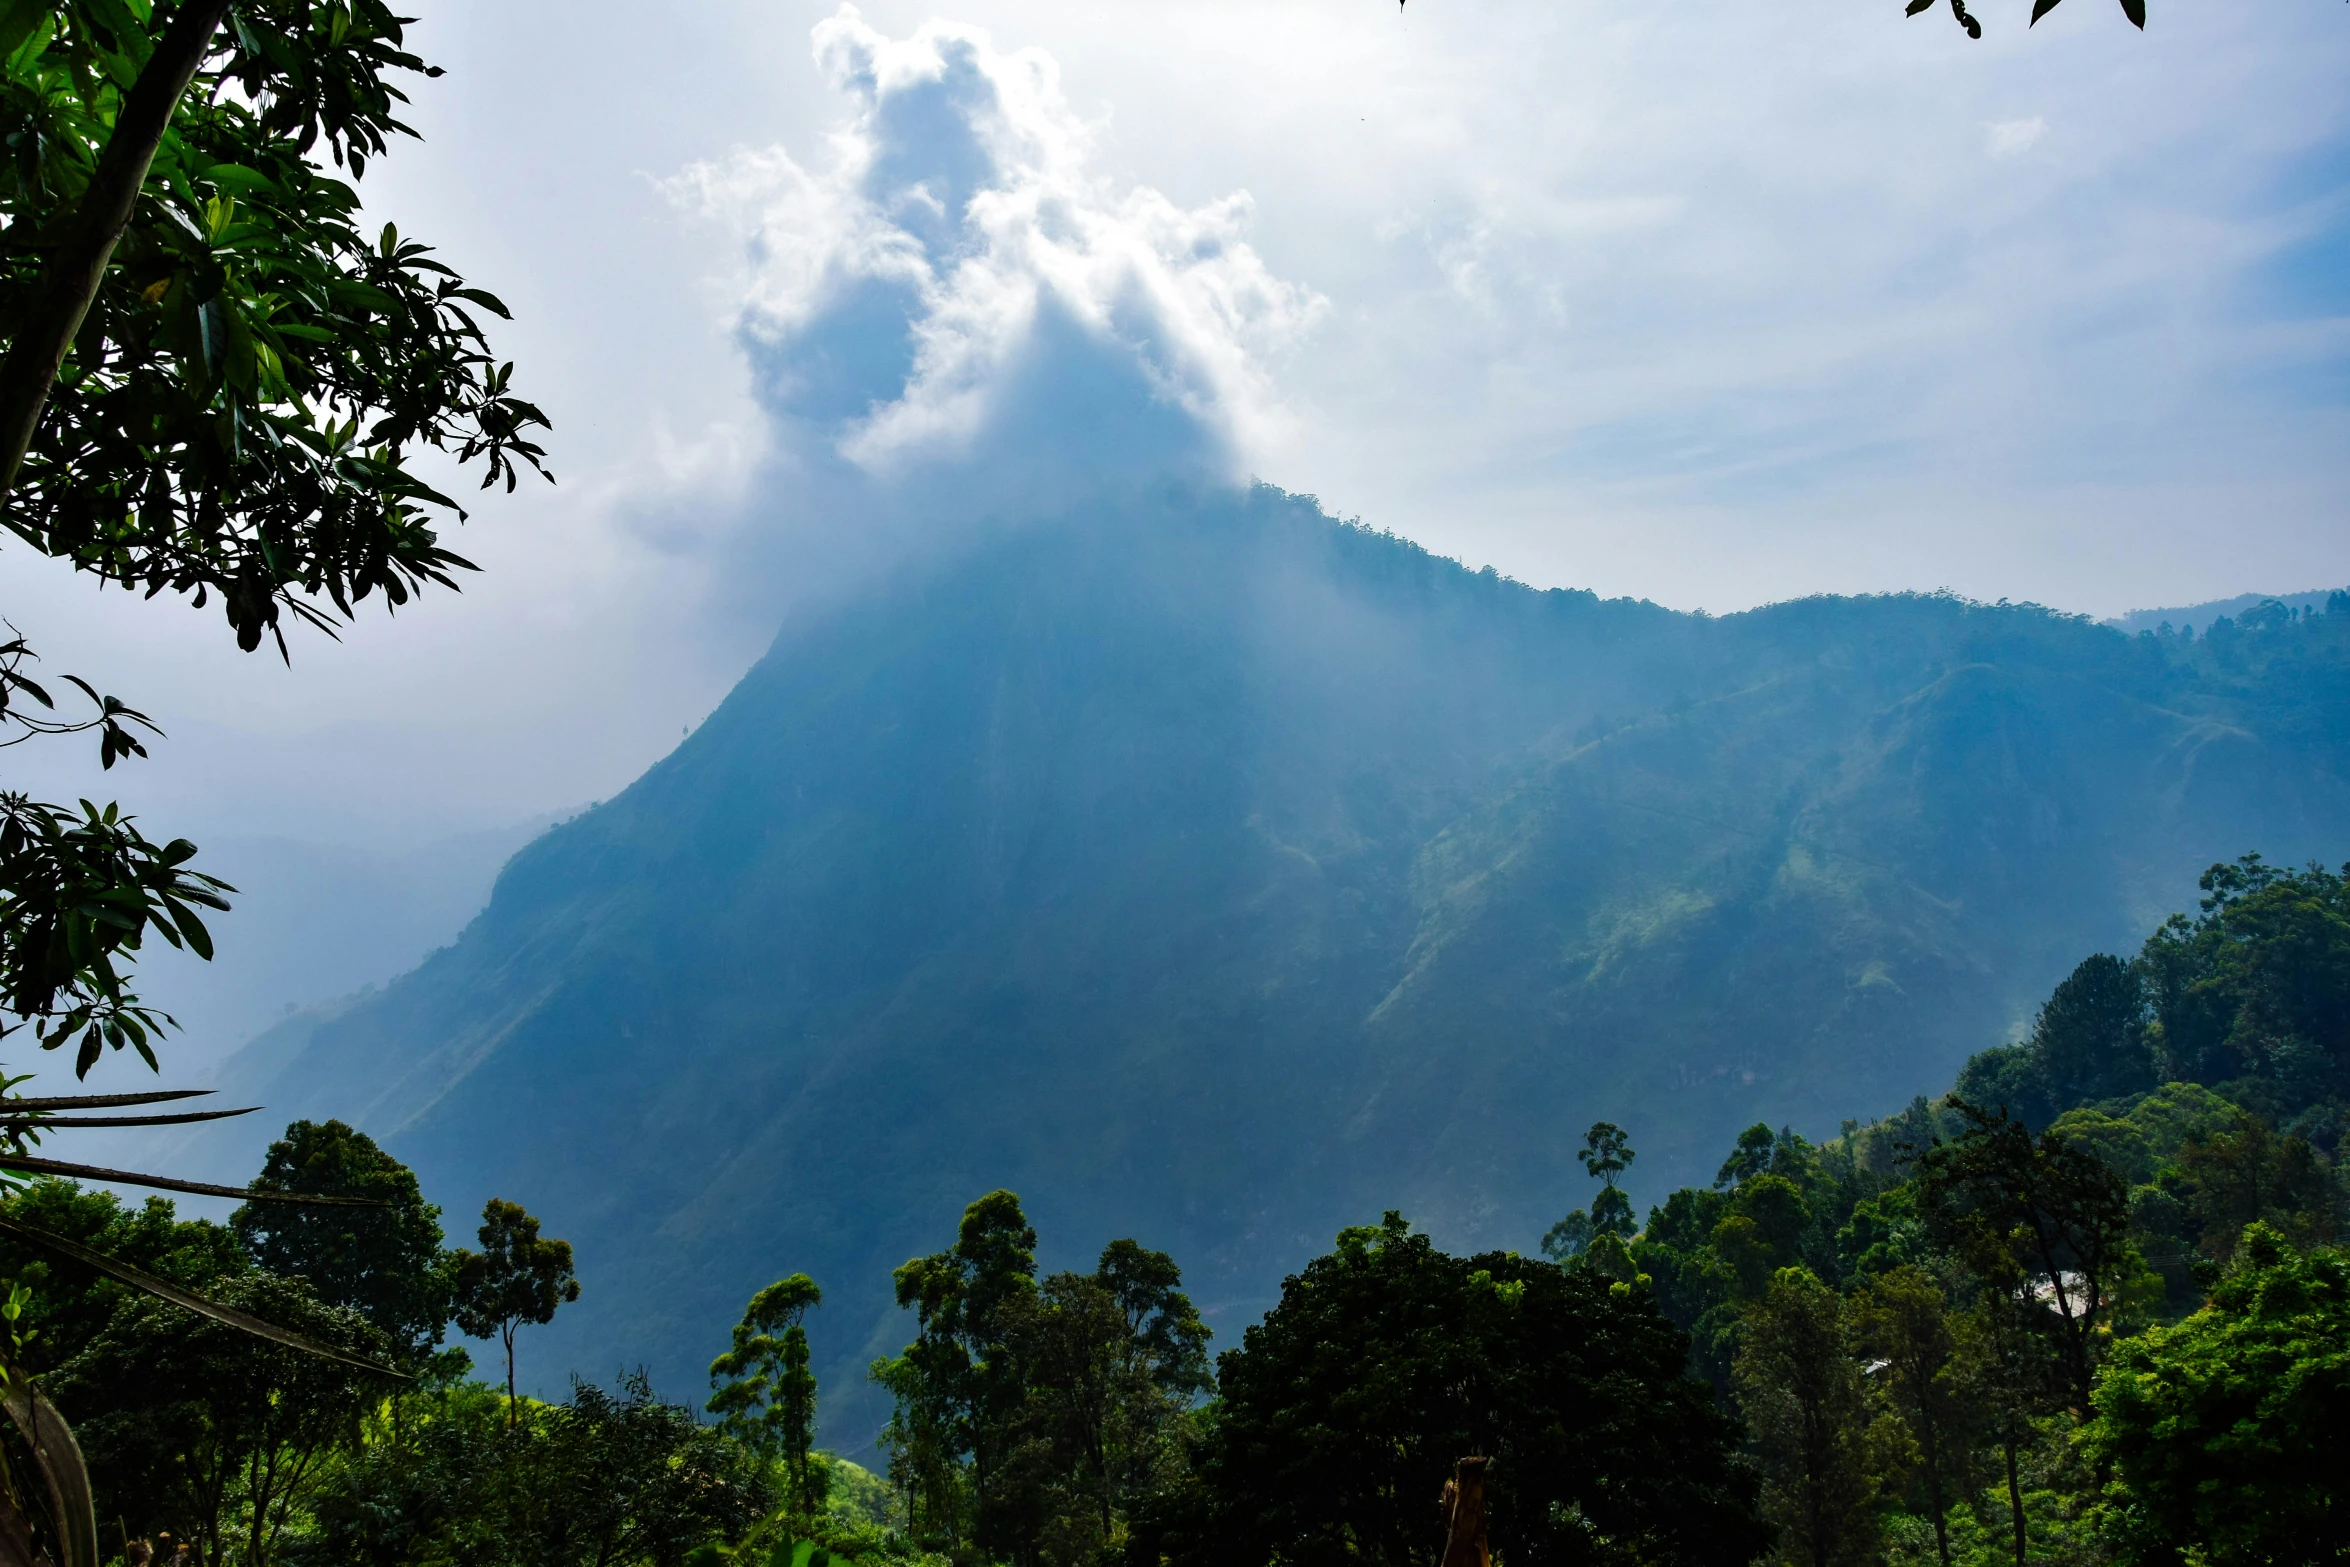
208,1431
2041,1220
959,1384
515,1278
1762,1232
71,1305
214,385
2228,1435
1343,1413
2017,1372
1901,1323
2248,1174
612,1478
2089,1040
425,1489
1112,1362
385,1263
1800,1388
2258,984
769,1397
1601,1233
80,889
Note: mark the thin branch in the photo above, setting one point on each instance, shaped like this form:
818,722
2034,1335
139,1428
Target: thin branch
99,1101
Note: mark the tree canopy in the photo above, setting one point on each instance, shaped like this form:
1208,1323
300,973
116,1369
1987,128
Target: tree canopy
386,1262
1343,1413
517,1277
217,385
2228,1435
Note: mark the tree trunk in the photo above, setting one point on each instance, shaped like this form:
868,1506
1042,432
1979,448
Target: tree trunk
1934,1489
2015,1493
1464,1517
70,282
513,1417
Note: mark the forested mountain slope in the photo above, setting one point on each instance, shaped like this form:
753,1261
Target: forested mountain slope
1218,874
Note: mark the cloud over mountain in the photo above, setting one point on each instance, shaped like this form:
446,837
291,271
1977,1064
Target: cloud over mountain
959,288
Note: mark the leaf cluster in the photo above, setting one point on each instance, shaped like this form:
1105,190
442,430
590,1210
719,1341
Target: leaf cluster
244,407
79,892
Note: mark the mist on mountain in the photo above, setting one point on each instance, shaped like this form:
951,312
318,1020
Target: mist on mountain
1215,873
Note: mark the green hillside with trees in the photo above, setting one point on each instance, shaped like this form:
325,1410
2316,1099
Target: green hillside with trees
1189,870
1205,869
2097,1317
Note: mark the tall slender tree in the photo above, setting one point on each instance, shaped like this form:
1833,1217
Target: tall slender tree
959,1384
515,1278
1800,1388
768,1393
1901,1322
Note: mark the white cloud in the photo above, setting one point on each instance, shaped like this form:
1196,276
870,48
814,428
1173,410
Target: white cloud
961,285
2014,138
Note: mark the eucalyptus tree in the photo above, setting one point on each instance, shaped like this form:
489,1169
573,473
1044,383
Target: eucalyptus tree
516,1277
768,1397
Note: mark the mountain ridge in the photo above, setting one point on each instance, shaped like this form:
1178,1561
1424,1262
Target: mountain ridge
1218,874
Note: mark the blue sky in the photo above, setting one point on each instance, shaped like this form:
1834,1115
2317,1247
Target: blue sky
1709,302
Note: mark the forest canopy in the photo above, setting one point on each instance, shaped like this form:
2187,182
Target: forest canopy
2034,1320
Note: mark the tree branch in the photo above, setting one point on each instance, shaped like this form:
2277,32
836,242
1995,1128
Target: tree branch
74,273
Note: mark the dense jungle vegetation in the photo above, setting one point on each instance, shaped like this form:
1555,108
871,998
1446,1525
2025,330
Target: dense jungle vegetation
2085,1308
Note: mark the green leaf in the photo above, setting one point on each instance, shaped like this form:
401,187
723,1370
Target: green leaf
18,19
496,307
191,929
130,36
239,178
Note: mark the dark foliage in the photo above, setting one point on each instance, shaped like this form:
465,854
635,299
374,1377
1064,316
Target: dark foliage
2040,1218
384,1263
240,407
1343,1413
611,1478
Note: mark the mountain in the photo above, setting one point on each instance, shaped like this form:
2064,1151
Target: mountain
2192,616
315,922
1214,873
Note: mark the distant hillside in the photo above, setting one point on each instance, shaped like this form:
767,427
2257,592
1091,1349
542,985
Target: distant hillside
1219,875
2200,616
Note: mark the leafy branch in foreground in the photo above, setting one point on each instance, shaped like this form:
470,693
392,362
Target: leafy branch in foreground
80,889
216,383
78,894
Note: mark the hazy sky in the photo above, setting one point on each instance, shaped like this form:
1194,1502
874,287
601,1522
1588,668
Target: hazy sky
1709,301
